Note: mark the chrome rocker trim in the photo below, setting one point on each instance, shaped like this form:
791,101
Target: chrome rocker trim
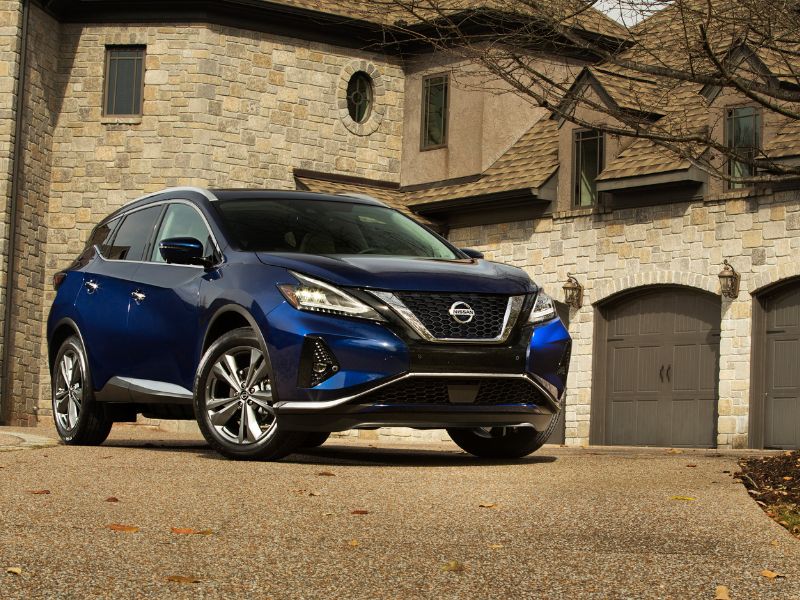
513,309
314,406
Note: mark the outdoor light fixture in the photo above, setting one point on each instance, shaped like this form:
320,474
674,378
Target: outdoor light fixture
573,292
729,281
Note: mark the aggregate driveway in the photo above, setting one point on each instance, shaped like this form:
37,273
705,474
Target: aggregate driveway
565,523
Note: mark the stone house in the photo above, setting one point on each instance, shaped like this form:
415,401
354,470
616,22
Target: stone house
103,101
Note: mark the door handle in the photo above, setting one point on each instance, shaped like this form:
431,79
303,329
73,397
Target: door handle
91,286
669,370
661,374
138,296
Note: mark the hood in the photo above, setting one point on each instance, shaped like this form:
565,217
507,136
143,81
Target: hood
407,274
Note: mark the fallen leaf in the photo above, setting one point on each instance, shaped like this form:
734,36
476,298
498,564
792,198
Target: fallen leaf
326,474
39,492
182,579
453,566
674,451
359,512
691,466
123,528
722,593
787,478
112,499
495,546
14,570
684,498
487,505
189,531
313,494
353,543
770,574
327,514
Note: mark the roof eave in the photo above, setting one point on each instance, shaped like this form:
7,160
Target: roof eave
671,177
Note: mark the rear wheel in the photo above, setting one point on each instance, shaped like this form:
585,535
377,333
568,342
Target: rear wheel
501,442
233,401
80,420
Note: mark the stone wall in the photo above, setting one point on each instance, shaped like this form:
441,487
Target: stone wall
222,108
682,244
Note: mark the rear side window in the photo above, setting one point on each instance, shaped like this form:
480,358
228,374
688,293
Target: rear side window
133,235
181,220
101,236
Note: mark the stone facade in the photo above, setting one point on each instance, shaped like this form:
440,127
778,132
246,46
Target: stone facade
680,244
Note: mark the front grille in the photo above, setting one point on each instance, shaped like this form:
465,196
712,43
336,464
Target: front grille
432,312
435,390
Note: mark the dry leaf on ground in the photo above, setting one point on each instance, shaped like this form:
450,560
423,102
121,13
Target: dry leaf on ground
182,579
38,492
312,494
487,505
453,566
684,498
770,574
353,543
14,570
112,499
674,451
123,528
691,466
326,474
359,512
722,593
495,546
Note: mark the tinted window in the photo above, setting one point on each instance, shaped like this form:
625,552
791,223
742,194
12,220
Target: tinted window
124,76
327,227
134,233
181,220
101,236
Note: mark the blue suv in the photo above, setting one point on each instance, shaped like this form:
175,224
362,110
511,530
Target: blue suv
274,318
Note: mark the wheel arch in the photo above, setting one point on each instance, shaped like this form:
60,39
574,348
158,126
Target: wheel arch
65,328
227,319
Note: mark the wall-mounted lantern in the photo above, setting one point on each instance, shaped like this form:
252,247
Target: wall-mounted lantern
729,280
573,292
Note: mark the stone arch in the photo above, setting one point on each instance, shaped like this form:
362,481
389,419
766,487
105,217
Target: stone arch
774,275
604,291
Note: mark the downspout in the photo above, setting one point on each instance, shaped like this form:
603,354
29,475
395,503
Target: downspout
11,248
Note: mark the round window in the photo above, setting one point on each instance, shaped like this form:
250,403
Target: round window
359,96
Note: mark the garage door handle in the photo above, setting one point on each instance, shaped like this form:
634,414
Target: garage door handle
661,374
669,370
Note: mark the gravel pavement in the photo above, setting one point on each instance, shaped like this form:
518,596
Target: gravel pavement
565,523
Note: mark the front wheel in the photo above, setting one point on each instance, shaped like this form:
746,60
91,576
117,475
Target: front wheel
501,442
233,401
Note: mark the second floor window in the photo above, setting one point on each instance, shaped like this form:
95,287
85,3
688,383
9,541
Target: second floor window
742,134
124,81
588,158
434,112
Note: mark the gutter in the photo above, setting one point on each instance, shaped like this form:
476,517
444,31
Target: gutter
11,248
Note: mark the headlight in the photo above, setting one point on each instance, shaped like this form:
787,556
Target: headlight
316,296
543,309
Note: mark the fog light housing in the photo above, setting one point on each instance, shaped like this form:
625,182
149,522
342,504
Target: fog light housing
317,363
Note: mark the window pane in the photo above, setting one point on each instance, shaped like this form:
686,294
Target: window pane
182,220
742,131
588,163
124,74
134,234
434,112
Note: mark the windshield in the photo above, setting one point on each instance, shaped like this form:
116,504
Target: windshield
327,227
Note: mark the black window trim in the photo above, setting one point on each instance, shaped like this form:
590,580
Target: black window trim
151,239
576,158
106,79
758,127
424,117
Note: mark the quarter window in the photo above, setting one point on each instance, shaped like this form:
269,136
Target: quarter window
434,111
124,80
588,153
134,234
742,133
181,220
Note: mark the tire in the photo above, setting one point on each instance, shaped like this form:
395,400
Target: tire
315,439
222,404
80,420
501,442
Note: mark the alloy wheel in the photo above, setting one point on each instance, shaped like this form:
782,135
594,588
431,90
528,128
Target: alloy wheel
68,390
238,397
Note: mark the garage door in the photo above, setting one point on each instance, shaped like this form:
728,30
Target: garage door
782,361
662,357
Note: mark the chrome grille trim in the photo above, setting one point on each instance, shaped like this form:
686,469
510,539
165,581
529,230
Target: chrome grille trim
513,308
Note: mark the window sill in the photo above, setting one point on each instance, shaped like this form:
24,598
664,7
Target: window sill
578,212
121,120
429,148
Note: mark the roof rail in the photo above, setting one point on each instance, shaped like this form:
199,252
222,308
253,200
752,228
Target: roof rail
181,188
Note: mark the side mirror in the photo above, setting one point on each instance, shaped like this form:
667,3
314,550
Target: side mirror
472,253
182,251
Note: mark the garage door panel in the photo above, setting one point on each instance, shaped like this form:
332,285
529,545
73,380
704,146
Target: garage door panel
783,421
668,341
784,363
